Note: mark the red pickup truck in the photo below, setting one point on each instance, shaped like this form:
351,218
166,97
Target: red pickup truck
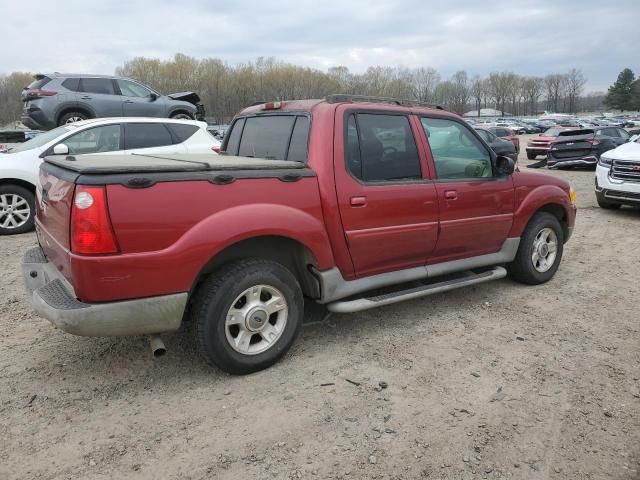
349,202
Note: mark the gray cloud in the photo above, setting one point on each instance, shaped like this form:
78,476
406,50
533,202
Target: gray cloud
530,38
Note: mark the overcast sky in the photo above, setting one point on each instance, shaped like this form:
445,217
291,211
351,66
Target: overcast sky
529,38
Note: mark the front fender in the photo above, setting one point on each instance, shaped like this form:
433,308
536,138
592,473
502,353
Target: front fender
529,201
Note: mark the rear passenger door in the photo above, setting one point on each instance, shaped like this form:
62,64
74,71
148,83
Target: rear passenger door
388,206
476,206
99,96
150,138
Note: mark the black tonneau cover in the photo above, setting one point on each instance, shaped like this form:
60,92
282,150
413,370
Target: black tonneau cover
137,163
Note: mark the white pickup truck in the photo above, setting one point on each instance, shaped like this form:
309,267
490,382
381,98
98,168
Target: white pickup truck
618,176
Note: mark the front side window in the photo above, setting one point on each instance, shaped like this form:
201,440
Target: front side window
486,136
623,134
131,89
97,85
146,135
94,140
381,148
456,152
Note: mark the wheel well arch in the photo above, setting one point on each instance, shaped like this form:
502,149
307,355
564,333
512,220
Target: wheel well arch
66,110
559,212
21,183
288,252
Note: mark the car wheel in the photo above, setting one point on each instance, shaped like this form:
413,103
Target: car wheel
531,156
17,209
72,117
182,116
247,315
606,204
539,252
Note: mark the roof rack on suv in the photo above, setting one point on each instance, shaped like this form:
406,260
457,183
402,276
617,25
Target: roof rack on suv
340,97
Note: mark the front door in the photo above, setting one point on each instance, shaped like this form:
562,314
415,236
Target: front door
388,206
139,101
476,205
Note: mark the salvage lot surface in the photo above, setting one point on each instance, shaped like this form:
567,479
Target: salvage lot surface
494,381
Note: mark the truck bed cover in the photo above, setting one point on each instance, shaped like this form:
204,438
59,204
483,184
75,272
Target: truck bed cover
142,163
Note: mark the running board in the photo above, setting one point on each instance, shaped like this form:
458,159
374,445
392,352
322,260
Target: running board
360,304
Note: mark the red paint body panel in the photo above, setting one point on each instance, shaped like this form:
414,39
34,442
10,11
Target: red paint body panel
168,232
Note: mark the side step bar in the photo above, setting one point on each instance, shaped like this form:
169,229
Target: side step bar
360,304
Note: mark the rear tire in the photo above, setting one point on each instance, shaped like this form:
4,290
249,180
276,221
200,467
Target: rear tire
17,210
72,117
540,250
247,315
531,156
606,204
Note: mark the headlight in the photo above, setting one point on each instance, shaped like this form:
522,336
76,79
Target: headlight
605,161
572,195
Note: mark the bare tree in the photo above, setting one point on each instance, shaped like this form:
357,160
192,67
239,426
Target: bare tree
575,82
532,89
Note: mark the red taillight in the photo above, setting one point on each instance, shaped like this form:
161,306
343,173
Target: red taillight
41,93
91,231
216,149
594,141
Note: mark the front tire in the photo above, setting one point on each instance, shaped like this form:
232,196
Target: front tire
540,250
606,204
182,116
17,210
247,315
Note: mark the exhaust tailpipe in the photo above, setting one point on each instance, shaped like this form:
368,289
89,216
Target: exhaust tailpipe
157,346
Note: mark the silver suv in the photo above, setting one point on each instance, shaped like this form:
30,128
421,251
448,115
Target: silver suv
55,99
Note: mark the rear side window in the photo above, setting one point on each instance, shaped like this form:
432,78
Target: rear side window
182,132
274,137
97,85
381,148
146,135
38,83
72,84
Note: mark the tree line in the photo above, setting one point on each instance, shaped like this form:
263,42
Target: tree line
225,89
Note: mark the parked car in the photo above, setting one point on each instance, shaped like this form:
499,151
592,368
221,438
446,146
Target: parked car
507,134
499,145
618,176
19,165
540,145
10,138
339,201
583,148
56,99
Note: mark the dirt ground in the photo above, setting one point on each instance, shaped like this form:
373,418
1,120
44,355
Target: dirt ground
494,381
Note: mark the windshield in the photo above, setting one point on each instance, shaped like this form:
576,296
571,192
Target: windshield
552,132
41,139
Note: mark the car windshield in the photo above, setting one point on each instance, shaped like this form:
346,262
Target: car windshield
40,140
552,132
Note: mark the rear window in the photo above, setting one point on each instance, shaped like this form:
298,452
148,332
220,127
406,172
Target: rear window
146,135
182,132
274,137
38,83
72,84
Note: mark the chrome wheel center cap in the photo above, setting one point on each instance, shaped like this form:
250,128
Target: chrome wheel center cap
256,319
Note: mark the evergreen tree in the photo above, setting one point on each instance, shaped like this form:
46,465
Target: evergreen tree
620,95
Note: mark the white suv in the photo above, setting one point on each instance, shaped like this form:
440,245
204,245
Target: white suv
618,176
19,165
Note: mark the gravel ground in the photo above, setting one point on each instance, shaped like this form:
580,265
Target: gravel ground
494,381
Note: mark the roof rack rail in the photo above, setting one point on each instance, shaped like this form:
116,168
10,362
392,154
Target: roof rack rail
341,97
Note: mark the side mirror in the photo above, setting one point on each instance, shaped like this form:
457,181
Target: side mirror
61,149
153,96
504,166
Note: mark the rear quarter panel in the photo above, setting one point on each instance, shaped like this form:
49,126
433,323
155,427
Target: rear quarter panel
168,232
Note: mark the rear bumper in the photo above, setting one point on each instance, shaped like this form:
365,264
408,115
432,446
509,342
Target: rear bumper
36,119
53,298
